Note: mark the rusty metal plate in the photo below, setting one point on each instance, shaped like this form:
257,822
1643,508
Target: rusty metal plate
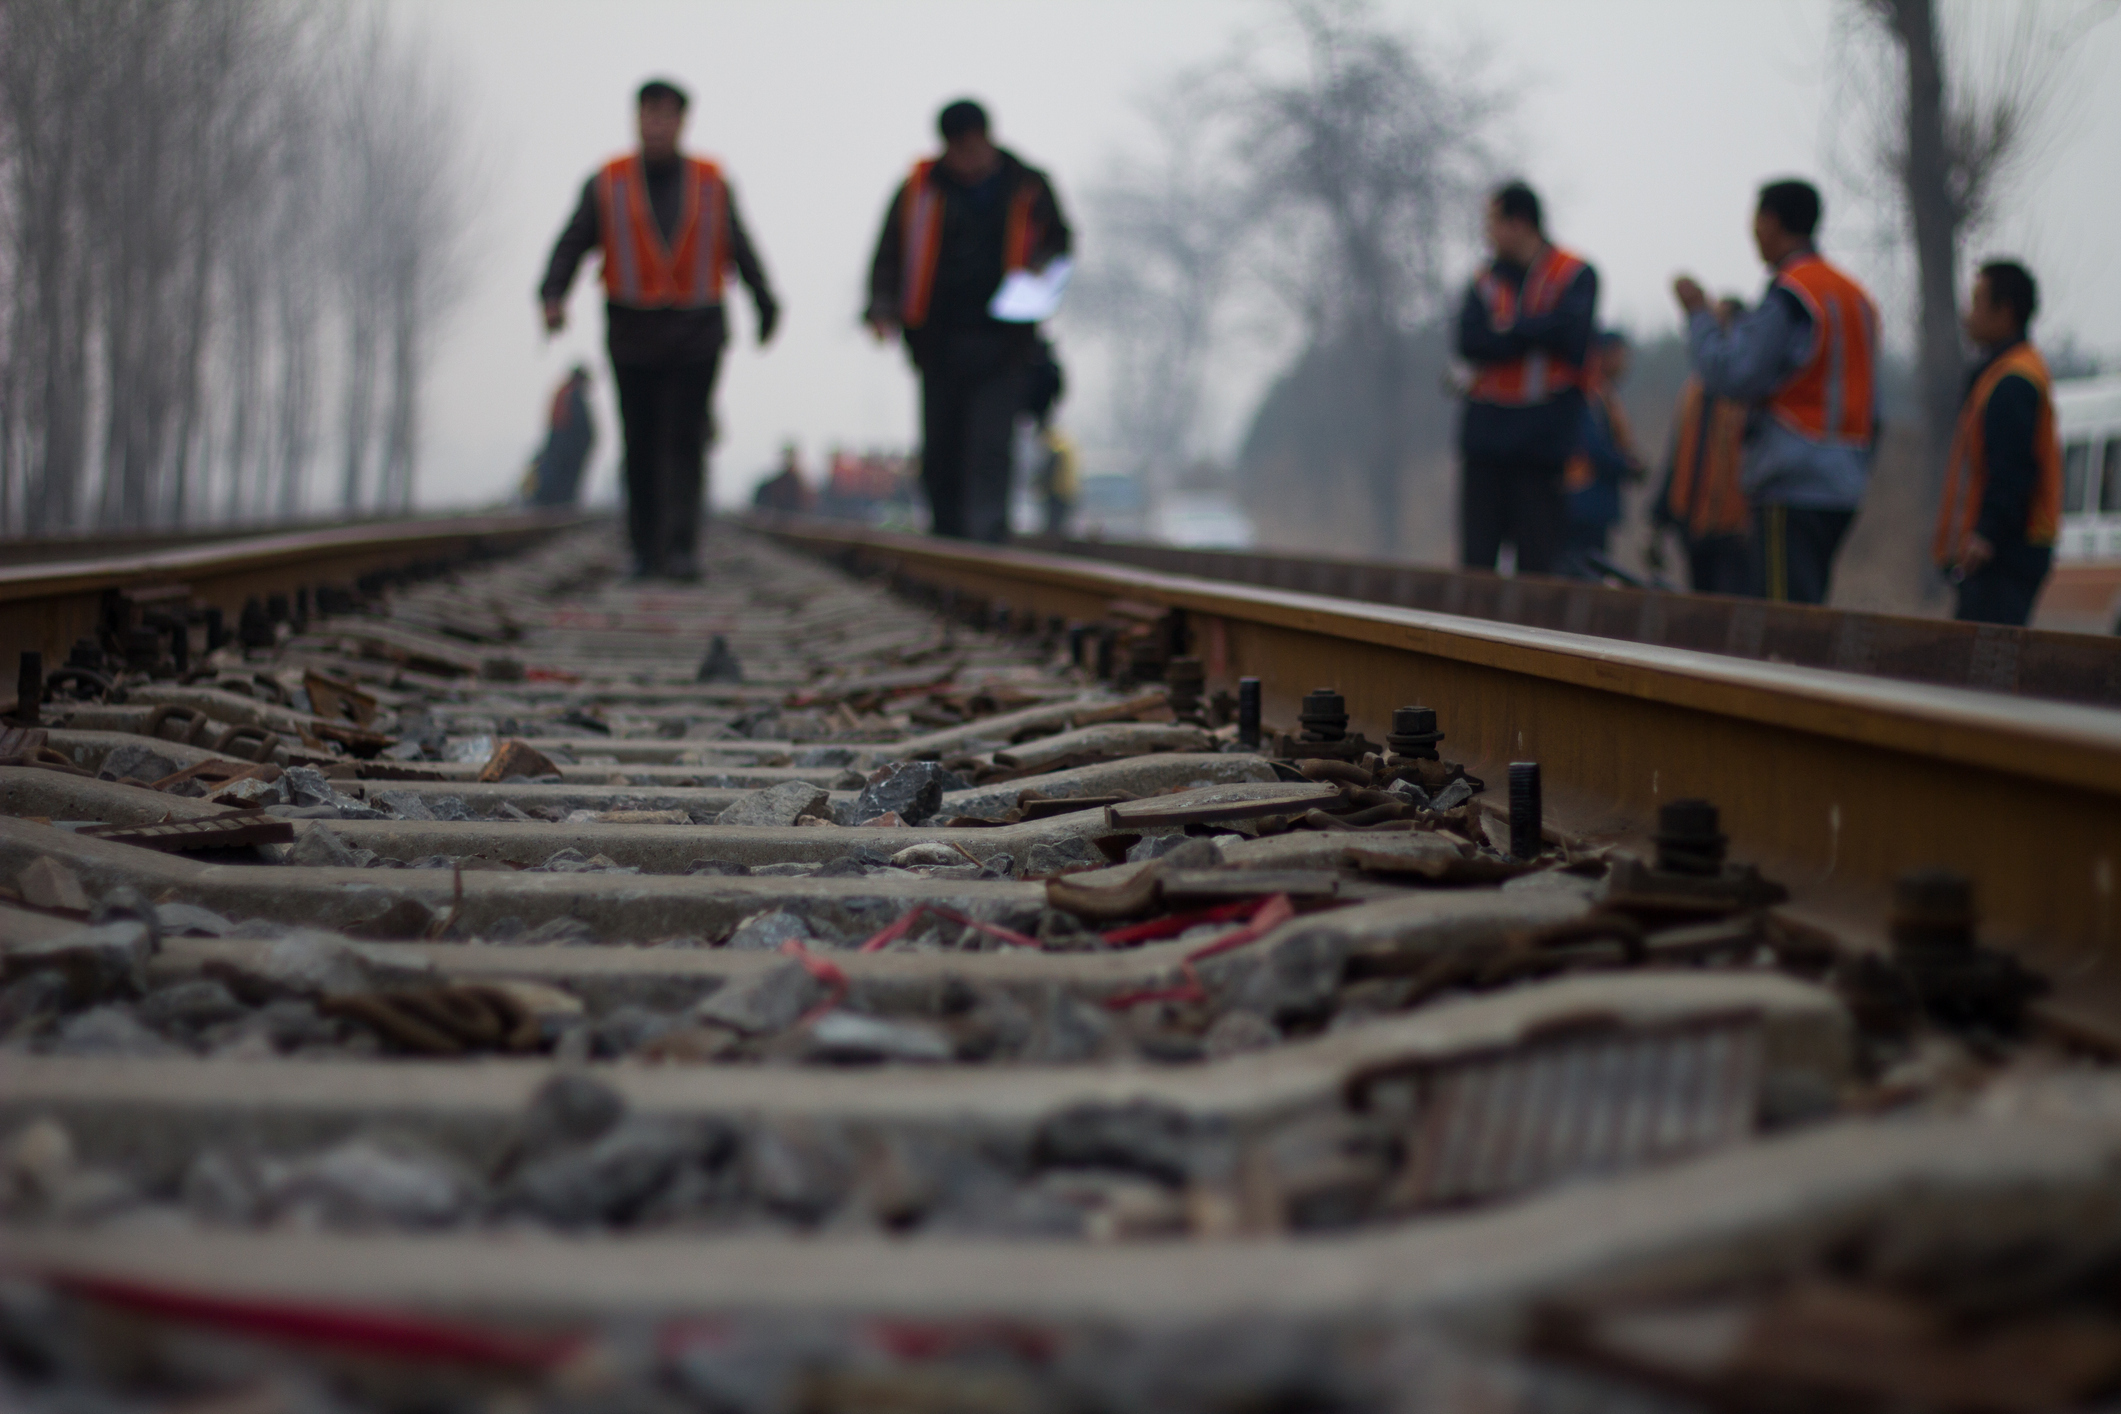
239,827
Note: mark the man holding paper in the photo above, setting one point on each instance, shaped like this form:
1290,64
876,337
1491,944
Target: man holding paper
972,255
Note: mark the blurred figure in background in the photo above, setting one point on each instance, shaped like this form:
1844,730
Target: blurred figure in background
570,435
1805,355
1060,481
955,227
668,228
873,487
1604,461
785,490
2003,482
1525,326
1703,498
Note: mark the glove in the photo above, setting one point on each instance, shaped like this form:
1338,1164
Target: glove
769,320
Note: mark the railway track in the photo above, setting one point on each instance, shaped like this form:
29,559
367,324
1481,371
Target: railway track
900,975
2038,663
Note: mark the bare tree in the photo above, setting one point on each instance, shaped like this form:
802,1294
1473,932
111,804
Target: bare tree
1362,158
1174,224
1328,176
429,197
1962,116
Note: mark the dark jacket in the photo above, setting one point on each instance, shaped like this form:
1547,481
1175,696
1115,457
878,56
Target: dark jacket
1612,460
658,336
570,435
968,264
2008,427
1763,349
1542,434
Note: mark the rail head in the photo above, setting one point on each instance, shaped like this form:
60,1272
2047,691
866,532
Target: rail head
2062,743
263,552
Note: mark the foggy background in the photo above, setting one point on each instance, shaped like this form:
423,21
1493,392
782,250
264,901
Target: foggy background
272,259
1646,127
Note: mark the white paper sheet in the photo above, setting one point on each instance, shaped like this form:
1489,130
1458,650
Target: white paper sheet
1027,296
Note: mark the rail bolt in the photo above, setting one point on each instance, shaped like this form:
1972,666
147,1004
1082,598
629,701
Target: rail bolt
143,649
1689,840
1526,809
254,628
1933,911
1248,713
1324,716
29,686
1145,661
1184,681
1414,733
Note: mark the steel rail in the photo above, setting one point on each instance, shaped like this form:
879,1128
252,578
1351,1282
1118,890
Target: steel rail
2028,662
46,606
1837,782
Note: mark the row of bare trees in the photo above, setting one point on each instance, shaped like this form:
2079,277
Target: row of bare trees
210,211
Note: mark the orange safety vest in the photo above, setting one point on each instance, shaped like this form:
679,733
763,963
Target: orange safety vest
1966,472
1831,397
921,233
1707,454
640,271
1535,377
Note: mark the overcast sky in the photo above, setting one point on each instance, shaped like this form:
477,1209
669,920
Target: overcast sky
1646,124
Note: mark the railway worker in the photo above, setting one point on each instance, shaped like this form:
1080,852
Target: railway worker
1604,461
668,228
955,227
1525,327
570,435
2003,479
1703,499
1804,358
785,490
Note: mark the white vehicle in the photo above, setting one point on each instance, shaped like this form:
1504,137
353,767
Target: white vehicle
2083,592
1204,520
1111,508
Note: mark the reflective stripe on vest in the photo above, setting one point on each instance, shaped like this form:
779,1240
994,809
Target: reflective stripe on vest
1966,472
640,270
1831,397
1537,376
921,238
1706,496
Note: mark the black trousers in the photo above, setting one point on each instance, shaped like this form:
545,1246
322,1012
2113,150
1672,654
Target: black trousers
1580,540
972,387
665,408
1519,502
1793,551
1720,564
2003,590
